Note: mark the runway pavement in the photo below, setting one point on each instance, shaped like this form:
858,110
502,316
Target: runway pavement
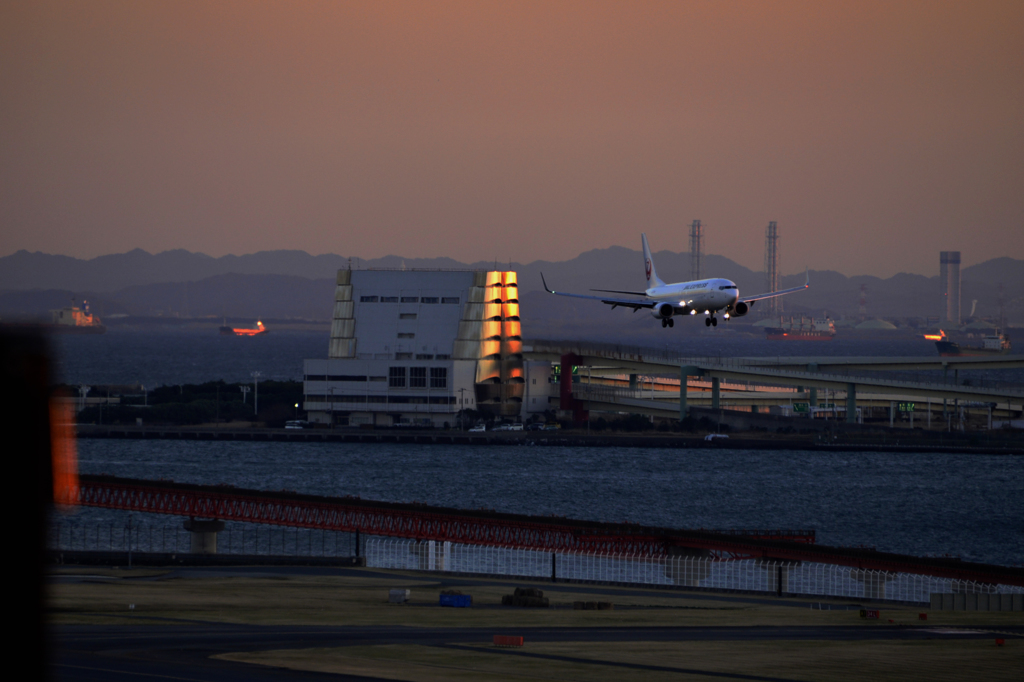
182,649
152,648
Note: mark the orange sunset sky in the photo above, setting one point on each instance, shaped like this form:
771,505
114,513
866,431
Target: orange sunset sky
875,133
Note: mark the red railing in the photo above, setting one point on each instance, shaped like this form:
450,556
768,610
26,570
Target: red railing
484,527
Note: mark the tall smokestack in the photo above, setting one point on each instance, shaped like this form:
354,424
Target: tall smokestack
772,306
696,244
949,281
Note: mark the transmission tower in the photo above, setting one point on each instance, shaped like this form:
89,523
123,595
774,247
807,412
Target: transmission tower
773,306
696,246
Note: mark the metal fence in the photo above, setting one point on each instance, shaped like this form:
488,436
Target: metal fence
748,575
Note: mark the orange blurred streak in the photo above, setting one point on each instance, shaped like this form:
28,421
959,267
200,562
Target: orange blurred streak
936,337
63,452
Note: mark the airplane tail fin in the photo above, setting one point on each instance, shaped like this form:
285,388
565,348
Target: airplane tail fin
652,276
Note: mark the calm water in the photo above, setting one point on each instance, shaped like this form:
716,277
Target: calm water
911,503
919,504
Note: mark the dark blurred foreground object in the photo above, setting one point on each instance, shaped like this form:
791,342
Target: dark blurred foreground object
40,442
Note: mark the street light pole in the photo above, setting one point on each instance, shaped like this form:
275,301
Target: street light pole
256,391
462,408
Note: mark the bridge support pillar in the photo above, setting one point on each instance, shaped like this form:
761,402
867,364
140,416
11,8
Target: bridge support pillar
687,566
874,581
685,372
777,578
684,410
716,393
851,403
812,399
203,533
567,401
632,382
431,555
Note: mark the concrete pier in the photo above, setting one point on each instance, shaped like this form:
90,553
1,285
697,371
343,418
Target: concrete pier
203,534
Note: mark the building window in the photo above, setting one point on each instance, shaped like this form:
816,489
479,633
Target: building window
417,377
378,378
442,356
396,377
429,299
410,299
407,316
403,356
450,299
439,377
389,299
367,299
424,356
406,335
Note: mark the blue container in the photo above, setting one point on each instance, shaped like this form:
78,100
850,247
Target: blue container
459,601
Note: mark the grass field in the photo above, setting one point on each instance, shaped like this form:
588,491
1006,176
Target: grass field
105,596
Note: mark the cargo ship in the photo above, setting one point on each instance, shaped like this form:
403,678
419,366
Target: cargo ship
801,329
75,320
992,344
225,330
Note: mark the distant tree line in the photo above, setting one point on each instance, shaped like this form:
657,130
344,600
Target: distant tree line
209,403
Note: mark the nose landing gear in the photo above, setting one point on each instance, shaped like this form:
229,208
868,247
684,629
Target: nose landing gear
710,321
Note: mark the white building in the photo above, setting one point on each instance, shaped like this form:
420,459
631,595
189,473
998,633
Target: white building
416,347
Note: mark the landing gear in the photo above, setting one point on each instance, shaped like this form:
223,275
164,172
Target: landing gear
668,323
710,321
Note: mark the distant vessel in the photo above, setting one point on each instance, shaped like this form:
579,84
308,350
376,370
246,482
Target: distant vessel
238,331
993,344
802,329
75,320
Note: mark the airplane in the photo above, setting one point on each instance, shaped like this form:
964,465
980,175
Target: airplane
665,301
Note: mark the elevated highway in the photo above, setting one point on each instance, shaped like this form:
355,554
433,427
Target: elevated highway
799,373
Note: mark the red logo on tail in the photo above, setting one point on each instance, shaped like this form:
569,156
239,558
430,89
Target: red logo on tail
647,267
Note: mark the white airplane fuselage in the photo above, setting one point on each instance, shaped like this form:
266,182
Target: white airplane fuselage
705,295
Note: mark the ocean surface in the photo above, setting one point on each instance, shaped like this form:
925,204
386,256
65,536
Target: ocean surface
923,504
967,506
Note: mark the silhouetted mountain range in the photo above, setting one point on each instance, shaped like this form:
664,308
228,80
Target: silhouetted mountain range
294,284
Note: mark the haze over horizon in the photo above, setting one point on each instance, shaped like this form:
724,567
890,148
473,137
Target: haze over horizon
875,133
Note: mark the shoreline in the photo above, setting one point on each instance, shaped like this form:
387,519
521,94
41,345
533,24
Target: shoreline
568,438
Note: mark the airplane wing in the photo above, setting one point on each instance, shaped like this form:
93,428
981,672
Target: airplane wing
635,304
773,294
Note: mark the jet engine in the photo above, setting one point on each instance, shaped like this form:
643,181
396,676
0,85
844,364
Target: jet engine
662,311
740,309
